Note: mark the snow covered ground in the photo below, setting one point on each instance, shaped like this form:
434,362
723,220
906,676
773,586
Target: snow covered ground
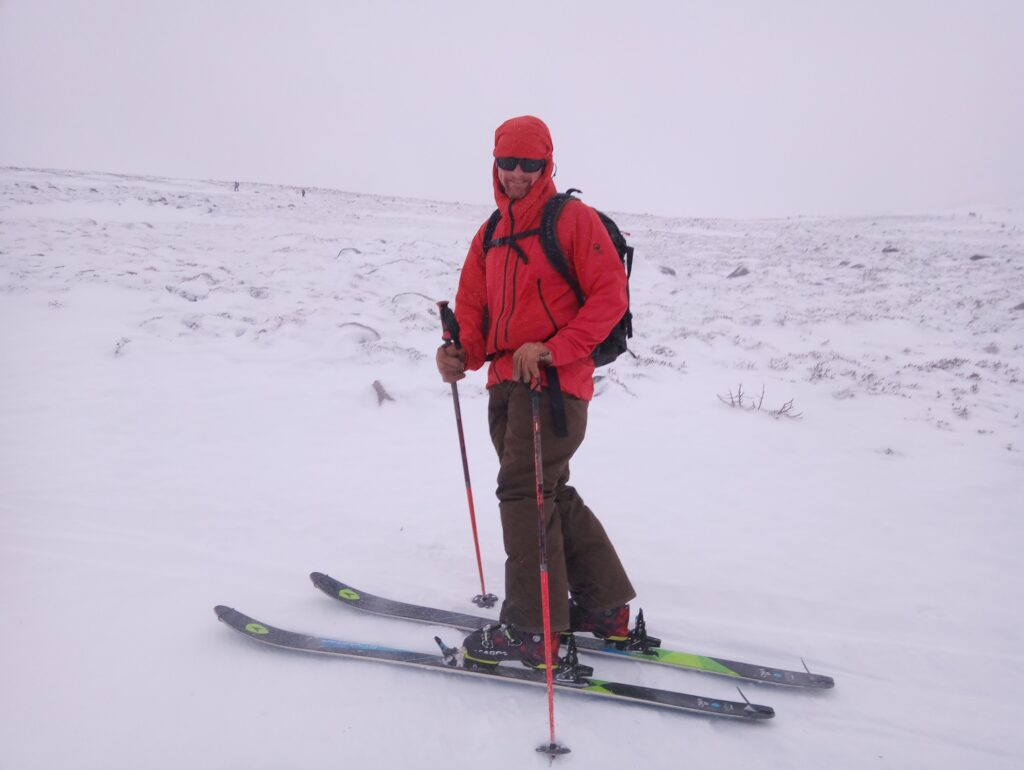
187,418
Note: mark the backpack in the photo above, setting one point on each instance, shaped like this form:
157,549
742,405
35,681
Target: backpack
614,344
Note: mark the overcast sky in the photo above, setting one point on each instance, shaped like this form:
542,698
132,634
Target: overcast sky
712,108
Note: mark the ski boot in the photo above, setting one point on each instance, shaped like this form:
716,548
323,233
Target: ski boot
497,643
613,627
568,671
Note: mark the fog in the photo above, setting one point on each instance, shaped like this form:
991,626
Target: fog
741,109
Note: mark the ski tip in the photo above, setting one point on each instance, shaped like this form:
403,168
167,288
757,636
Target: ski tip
221,611
755,710
820,681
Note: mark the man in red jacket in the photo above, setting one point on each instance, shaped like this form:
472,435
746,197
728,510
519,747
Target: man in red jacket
516,311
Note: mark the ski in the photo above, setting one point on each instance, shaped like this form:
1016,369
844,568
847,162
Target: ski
615,691
377,605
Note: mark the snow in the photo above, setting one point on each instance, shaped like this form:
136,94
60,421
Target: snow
187,419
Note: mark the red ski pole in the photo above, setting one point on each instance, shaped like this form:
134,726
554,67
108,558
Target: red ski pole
552,748
450,335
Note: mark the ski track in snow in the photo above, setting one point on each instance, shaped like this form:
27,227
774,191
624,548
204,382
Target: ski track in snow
187,418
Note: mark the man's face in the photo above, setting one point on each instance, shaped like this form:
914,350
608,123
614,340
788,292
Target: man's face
517,183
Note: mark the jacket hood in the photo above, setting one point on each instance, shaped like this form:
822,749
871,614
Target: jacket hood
524,137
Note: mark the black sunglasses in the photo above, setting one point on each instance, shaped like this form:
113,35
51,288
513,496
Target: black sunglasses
529,165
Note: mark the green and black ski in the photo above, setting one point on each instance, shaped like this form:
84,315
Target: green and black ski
614,691
377,605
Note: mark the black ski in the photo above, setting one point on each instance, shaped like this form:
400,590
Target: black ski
625,693
377,605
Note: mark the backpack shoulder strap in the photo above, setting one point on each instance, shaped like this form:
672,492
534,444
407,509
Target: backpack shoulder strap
492,225
509,240
549,239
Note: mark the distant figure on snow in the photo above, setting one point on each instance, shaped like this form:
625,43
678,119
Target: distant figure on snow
236,186
516,311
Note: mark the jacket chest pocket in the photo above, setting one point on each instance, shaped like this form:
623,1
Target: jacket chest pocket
547,309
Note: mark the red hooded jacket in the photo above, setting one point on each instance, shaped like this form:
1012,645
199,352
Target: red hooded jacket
505,301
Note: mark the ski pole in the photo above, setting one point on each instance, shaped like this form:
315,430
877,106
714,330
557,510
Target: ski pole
450,335
552,748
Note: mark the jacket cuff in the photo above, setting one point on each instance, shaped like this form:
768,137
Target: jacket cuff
558,352
475,358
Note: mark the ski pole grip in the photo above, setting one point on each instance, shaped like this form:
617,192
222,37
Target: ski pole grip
449,326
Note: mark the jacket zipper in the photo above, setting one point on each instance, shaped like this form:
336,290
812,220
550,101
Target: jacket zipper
504,287
508,318
504,298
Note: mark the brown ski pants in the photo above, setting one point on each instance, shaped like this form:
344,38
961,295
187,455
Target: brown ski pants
581,558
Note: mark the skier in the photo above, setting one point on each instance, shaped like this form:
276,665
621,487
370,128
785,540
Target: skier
517,312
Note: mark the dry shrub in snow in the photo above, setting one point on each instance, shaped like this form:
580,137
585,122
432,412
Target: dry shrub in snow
741,400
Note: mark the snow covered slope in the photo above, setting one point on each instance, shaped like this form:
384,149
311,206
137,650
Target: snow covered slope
188,418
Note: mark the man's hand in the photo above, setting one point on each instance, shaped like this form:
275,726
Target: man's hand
526,361
451,363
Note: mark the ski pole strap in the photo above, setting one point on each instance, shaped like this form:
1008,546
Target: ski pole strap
558,420
449,326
